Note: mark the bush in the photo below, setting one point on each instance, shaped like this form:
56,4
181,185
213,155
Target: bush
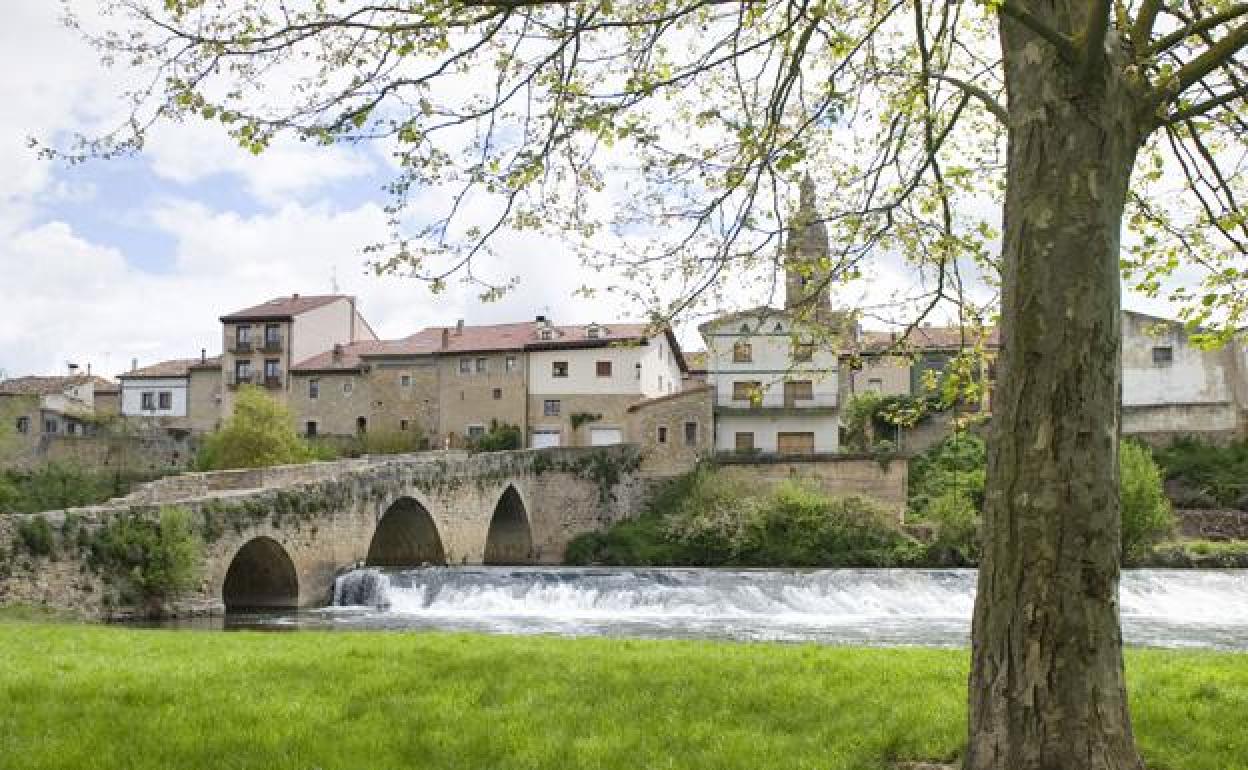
956,465
500,438
394,442
260,433
35,533
1146,515
956,537
1219,472
154,559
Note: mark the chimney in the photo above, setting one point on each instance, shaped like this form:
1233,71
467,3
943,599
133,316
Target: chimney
134,364
459,327
446,338
295,295
337,354
203,355
73,369
541,319
88,368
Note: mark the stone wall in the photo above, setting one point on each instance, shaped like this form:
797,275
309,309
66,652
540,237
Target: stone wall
836,475
1213,524
342,398
468,398
676,455
396,407
611,409
146,450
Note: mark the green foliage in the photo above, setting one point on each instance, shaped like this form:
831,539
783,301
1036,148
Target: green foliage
501,437
956,465
1206,473
154,559
871,417
956,519
1146,515
58,485
583,418
260,433
393,442
708,519
35,534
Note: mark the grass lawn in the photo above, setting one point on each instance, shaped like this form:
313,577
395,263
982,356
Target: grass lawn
75,696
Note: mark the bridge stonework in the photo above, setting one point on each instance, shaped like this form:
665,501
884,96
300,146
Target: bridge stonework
280,536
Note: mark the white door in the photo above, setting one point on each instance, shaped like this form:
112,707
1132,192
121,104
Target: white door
543,439
605,436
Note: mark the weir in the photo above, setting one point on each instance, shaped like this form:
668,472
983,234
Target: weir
876,607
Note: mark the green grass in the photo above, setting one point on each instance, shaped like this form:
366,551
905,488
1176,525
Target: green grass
97,697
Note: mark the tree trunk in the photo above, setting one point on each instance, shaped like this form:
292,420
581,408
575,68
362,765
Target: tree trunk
1046,686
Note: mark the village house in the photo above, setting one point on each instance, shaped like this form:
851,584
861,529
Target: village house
162,393
39,409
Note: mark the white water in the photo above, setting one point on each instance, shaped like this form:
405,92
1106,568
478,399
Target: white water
1172,608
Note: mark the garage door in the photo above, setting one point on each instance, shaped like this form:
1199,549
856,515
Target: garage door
795,443
605,436
545,438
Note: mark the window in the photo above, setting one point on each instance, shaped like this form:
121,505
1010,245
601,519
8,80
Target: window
271,371
465,366
803,351
744,391
559,369
745,329
510,364
593,332
147,401
242,371
660,382
49,426
547,334
742,353
23,425
778,328
603,368
498,394
550,408
798,390
638,368
361,425
745,442
405,380
1163,356
242,335
481,367
272,335
476,431
402,424
309,428
875,385
348,386
662,434
71,428
165,399
314,388
691,434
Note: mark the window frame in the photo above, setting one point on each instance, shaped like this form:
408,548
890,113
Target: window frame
164,399
599,369
314,388
560,370
691,436
742,352
1167,359
147,401
551,407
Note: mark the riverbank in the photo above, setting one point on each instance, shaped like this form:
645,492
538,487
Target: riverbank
105,697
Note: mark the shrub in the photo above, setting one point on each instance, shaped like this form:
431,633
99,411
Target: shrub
500,438
153,559
957,528
1220,472
35,533
956,465
260,433
393,442
1146,515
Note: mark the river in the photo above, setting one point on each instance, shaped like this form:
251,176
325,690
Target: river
1160,608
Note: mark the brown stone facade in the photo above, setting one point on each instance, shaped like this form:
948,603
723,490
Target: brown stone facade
204,393
342,398
477,397
404,397
675,431
594,411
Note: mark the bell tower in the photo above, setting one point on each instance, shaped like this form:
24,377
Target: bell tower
807,265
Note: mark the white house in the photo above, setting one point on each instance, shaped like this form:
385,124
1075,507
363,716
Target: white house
160,390
583,379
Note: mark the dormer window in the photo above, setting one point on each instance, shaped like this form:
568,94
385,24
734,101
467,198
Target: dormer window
547,334
745,329
594,332
779,328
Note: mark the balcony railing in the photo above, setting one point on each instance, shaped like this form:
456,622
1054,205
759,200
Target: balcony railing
271,345
241,346
233,381
273,381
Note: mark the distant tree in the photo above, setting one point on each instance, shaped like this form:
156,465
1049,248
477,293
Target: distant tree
261,432
1146,514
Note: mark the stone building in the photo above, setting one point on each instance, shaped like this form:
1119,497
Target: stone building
162,393
675,431
38,409
262,342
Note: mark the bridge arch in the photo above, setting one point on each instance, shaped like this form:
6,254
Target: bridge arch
406,536
510,537
261,576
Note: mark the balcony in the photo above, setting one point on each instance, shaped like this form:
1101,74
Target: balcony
271,345
233,381
273,381
240,346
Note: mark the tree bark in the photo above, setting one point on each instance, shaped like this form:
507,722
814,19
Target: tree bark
1046,685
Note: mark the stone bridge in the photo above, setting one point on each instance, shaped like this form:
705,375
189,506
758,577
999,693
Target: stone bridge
277,537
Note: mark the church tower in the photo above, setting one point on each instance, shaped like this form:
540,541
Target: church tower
807,266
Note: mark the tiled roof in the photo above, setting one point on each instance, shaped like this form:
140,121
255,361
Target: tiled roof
929,338
690,391
282,307
41,386
177,367
341,358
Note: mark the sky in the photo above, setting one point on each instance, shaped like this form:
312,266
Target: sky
134,259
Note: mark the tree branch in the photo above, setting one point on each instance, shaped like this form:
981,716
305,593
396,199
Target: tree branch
1064,45
1212,58
1094,37
1200,108
1142,29
1196,27
988,100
